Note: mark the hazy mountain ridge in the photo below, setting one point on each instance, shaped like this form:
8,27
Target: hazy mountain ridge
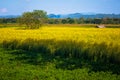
80,15
73,15
9,16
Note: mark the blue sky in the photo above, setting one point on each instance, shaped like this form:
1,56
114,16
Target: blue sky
17,7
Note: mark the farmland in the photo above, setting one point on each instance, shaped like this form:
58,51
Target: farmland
60,52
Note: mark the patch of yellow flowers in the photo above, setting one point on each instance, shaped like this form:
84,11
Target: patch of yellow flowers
90,35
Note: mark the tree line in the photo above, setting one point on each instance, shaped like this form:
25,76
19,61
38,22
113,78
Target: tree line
36,18
70,21
84,21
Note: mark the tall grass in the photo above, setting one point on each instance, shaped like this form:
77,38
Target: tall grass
100,53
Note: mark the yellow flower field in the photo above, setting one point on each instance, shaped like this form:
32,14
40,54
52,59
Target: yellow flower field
66,48
90,35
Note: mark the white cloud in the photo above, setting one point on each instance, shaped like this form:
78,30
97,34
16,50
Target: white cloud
3,10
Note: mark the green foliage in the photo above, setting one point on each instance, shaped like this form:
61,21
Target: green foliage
18,64
64,21
85,21
33,20
100,56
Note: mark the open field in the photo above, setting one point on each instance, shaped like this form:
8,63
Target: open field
60,52
63,33
63,25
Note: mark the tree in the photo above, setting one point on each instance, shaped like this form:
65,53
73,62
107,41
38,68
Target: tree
81,20
1,21
33,20
97,21
64,21
70,20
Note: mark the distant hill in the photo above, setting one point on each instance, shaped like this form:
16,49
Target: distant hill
9,16
74,15
80,15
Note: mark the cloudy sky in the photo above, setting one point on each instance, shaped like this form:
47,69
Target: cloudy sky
17,7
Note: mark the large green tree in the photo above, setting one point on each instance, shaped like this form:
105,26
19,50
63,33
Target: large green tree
34,19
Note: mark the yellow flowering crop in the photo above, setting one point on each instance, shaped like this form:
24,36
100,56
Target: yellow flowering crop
63,33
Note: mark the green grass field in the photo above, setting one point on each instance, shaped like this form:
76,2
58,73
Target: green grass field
60,52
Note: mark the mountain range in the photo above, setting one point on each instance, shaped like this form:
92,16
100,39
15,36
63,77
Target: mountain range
9,16
80,15
73,15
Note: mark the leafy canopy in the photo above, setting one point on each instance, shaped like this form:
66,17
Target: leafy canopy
33,20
